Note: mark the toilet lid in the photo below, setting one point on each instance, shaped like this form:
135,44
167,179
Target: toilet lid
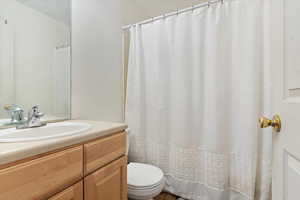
143,175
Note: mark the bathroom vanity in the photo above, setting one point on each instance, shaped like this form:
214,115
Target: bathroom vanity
88,166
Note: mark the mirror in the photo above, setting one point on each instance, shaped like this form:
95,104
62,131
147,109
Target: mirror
35,56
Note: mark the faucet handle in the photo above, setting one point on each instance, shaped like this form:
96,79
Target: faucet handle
35,108
35,111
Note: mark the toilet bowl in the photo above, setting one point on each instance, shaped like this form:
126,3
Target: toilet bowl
144,181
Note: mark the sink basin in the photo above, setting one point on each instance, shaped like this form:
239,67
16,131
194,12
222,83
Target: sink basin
51,131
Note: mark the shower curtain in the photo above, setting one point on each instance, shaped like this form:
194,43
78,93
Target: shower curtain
197,83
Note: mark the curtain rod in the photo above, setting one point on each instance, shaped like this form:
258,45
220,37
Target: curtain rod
208,3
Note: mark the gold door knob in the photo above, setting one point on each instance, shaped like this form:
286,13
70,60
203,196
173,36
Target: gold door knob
275,123
7,107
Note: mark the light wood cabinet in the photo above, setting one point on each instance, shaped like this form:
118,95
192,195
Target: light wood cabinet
74,192
44,177
109,182
39,179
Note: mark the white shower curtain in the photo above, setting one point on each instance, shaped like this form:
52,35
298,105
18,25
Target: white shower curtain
197,83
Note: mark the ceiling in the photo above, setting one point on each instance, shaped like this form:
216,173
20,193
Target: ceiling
166,4
133,10
59,10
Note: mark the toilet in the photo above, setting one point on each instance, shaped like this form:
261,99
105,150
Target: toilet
144,181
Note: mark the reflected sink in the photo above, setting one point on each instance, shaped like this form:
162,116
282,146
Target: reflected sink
51,131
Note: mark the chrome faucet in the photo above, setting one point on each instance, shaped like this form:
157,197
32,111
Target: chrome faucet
33,119
17,117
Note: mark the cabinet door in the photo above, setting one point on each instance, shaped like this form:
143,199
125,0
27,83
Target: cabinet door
108,183
74,192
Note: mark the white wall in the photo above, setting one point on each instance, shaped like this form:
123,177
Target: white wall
97,90
35,37
7,83
6,61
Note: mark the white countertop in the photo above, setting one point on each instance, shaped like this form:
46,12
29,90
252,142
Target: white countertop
10,152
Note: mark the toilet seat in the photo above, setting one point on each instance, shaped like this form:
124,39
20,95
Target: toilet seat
144,181
143,175
148,186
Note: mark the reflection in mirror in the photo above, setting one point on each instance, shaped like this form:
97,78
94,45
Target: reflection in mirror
35,57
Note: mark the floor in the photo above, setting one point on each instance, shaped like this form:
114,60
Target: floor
165,196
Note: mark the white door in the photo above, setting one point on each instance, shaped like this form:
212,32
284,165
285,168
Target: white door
286,97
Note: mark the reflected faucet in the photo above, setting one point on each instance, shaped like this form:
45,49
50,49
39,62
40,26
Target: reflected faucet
16,113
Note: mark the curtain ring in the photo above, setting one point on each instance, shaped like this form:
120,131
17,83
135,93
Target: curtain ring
177,11
152,20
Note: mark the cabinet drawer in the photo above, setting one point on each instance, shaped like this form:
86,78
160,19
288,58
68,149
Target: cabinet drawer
74,192
41,178
103,151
